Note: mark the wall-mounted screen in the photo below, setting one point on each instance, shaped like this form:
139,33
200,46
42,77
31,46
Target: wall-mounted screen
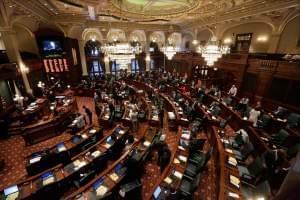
51,45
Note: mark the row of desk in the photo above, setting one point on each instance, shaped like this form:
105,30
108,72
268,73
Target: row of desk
107,181
63,151
53,182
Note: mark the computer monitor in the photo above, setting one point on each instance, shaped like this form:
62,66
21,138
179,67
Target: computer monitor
118,129
108,139
76,138
157,192
47,175
11,190
97,184
118,168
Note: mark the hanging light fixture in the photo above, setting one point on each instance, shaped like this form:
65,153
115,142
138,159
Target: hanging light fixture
121,52
169,51
212,51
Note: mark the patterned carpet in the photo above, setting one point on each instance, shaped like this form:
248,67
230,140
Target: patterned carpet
13,151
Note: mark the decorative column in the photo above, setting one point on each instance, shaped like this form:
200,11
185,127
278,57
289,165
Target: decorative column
274,42
148,59
106,63
13,53
83,58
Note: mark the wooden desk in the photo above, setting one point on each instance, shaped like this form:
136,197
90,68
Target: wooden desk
63,151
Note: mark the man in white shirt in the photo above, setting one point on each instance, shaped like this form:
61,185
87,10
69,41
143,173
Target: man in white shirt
253,116
233,90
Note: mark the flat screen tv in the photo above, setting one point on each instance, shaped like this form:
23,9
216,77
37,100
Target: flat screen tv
51,45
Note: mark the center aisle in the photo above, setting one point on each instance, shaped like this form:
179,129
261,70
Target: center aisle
152,169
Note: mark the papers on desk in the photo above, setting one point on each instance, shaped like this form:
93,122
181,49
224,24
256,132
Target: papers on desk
264,139
233,195
232,161
178,174
101,190
235,181
35,159
107,145
61,147
181,148
106,117
155,118
95,154
245,118
168,180
121,132
146,143
176,161
228,150
180,113
184,119
13,196
171,115
213,117
92,131
114,176
79,164
182,158
84,136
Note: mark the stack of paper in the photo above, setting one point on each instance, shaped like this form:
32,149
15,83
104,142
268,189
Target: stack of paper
182,158
146,143
178,174
114,176
232,161
168,180
96,153
84,136
121,132
176,161
101,190
235,181
92,131
48,180
228,150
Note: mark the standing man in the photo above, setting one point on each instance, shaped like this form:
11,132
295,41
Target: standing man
89,114
233,90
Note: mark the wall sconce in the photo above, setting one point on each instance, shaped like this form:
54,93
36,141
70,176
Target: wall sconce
262,38
227,41
195,42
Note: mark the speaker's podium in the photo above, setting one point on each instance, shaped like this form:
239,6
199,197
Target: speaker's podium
131,190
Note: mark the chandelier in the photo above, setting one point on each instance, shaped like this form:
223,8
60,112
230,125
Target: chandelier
169,51
212,51
122,53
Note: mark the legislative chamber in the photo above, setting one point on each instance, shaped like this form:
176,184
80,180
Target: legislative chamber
149,100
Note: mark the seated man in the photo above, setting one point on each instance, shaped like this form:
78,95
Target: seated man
243,103
214,109
280,112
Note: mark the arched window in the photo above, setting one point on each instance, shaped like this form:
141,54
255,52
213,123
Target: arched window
92,48
135,68
96,68
115,67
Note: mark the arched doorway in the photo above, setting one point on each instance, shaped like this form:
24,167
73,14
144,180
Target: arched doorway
94,58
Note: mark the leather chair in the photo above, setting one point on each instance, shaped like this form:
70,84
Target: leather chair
293,120
253,173
279,138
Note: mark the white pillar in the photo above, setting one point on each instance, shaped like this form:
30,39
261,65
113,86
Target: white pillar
106,62
148,59
83,58
12,49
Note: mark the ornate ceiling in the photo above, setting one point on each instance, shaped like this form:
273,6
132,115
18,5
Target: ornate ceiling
156,14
